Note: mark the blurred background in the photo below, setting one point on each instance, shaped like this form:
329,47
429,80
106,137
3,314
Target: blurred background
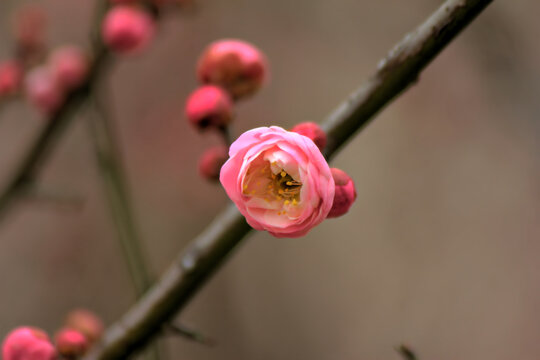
440,250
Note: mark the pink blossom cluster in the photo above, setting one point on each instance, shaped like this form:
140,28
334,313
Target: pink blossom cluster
44,80
228,70
278,179
80,331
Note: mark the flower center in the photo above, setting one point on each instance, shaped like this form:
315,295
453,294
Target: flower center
262,182
284,187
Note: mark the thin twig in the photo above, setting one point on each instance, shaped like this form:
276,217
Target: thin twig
31,163
40,149
109,160
209,250
189,334
406,352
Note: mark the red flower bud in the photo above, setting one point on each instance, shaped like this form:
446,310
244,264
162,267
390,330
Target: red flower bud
235,65
69,66
85,322
27,343
71,343
345,194
312,131
43,90
209,106
127,29
29,25
211,161
10,77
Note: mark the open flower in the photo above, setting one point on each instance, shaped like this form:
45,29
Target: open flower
279,181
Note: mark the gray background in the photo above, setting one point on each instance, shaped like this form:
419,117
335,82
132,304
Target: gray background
440,250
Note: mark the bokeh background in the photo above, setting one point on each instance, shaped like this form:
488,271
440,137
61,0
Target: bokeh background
440,250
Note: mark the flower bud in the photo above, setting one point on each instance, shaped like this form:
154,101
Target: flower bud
209,106
71,343
43,90
127,29
345,194
312,131
29,25
211,161
27,343
237,66
69,66
10,77
85,322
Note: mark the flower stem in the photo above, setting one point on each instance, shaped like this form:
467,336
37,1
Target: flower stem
109,161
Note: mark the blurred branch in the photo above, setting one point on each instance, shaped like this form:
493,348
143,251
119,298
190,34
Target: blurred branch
105,143
109,160
28,168
209,250
406,352
189,334
54,196
25,173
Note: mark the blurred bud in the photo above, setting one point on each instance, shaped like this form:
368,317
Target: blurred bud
69,66
235,65
71,343
10,77
27,343
29,25
312,131
85,322
345,194
43,91
211,161
127,29
209,106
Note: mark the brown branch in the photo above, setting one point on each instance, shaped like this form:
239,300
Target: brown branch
27,170
406,352
209,250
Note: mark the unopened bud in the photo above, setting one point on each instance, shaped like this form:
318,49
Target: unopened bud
85,322
27,343
209,106
312,131
127,29
43,90
237,66
29,25
71,343
69,65
211,161
345,194
10,77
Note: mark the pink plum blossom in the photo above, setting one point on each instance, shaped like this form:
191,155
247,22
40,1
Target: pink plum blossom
127,29
69,65
27,343
279,180
237,66
10,77
71,343
312,131
345,194
209,107
43,91
86,322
